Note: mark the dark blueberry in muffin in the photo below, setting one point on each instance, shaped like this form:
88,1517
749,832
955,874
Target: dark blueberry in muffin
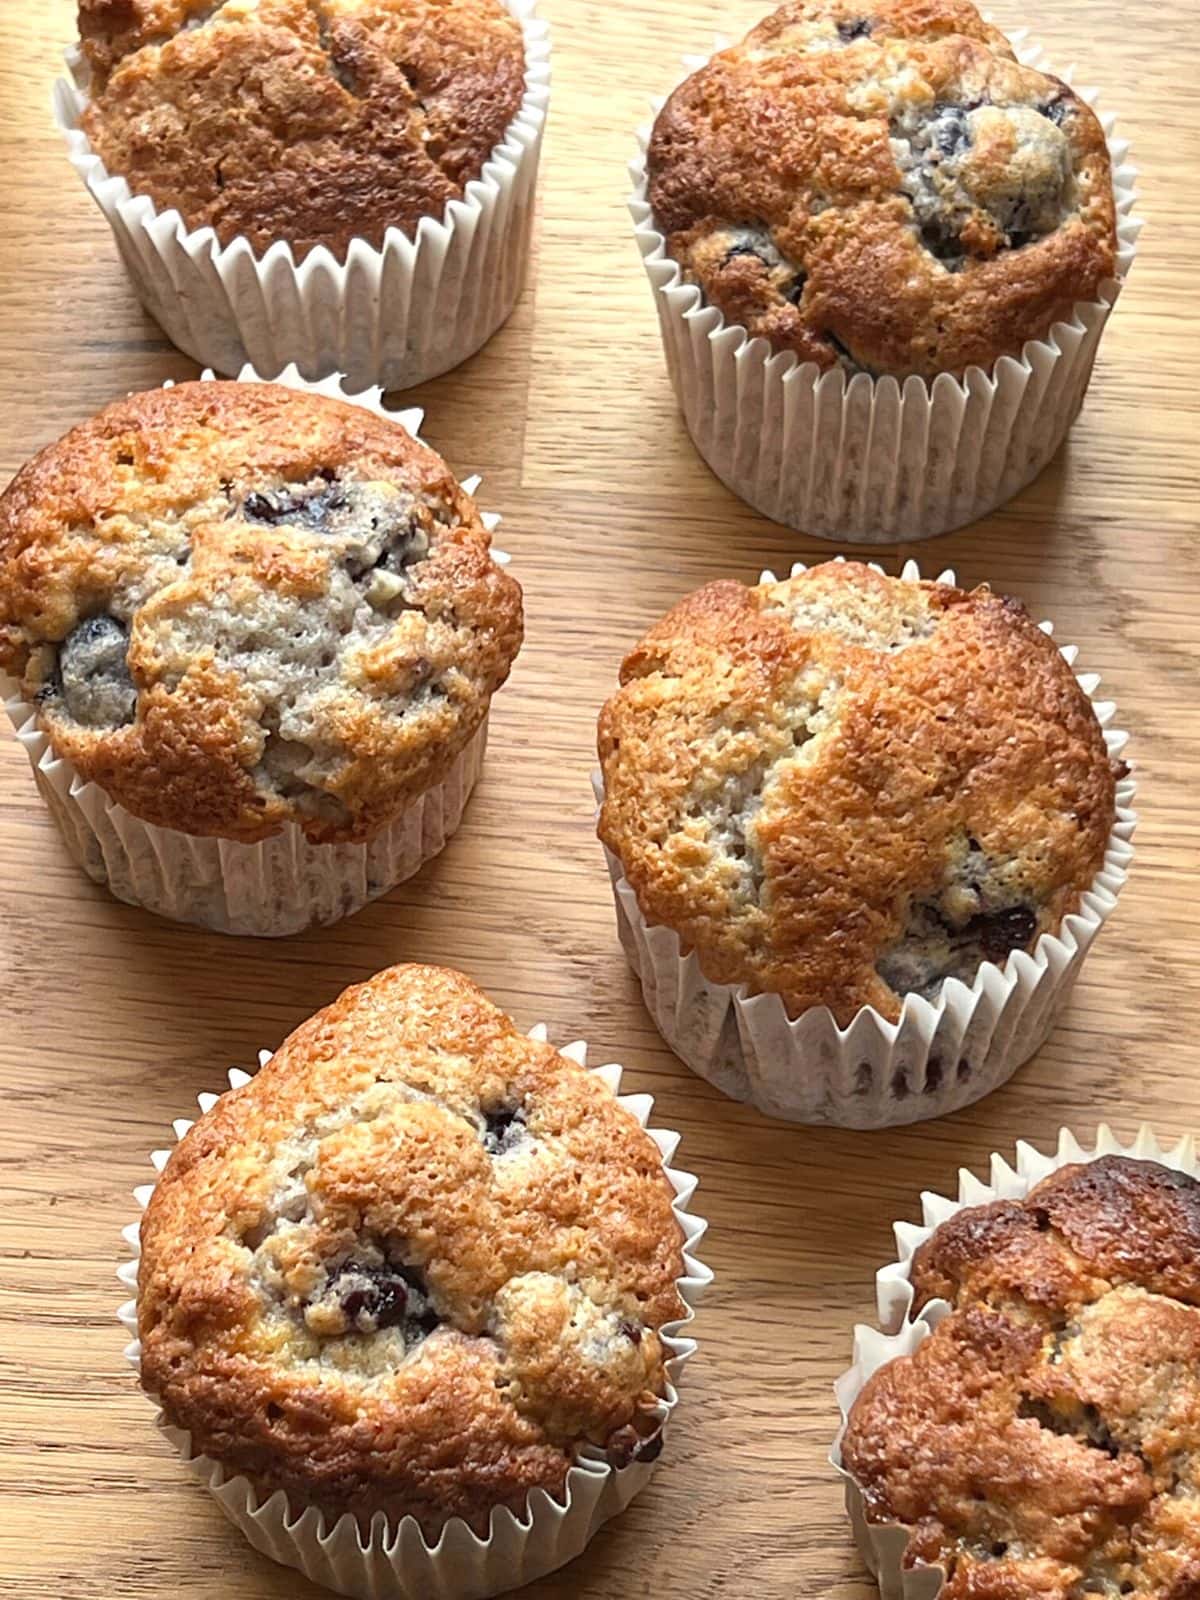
503,1130
999,933
376,1297
854,28
93,673
949,129
306,505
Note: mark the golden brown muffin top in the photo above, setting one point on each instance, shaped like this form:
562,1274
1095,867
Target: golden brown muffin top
844,788
237,605
879,184
313,122
1044,1440
413,1265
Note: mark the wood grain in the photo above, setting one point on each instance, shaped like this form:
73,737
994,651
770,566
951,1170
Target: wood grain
115,1021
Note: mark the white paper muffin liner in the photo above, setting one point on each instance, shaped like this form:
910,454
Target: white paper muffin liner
883,1544
398,1563
874,1073
393,317
282,884
874,460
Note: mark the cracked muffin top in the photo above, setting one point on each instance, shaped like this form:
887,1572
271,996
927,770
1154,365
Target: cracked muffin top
412,1266
1045,1439
845,788
236,605
312,122
882,186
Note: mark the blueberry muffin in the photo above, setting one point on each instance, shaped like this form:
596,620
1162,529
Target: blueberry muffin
289,120
414,1266
1045,1439
878,184
235,607
845,788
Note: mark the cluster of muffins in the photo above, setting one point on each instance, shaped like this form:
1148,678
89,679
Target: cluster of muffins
411,1299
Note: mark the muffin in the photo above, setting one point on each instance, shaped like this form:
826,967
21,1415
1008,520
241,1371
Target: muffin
258,631
847,796
422,1266
880,190
275,129
1044,1438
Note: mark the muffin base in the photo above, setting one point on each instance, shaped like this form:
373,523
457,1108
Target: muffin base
397,1562
396,316
874,1073
866,460
883,1544
281,885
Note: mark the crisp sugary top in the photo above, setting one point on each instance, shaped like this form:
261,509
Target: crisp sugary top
413,1265
236,605
845,788
1045,1439
307,121
882,186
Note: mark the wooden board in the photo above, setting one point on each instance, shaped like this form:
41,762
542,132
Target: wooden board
115,1021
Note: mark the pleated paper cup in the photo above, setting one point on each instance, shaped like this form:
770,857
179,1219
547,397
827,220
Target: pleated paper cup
875,460
393,317
283,884
875,1073
397,1561
883,1544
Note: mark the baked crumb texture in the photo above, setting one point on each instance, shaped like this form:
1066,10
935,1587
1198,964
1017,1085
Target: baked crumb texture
1044,1440
883,187
413,1266
311,122
846,788
236,606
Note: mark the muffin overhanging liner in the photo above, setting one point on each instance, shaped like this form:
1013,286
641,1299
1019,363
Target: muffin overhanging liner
282,884
873,460
883,1544
400,1564
874,1073
393,317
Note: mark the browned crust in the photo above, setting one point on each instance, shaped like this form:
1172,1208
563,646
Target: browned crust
979,730
81,520
491,1404
1044,1440
776,136
312,122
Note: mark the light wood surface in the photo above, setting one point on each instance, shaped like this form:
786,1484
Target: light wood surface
114,1021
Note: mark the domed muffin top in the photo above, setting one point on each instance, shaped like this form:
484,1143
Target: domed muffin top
313,122
236,605
844,788
879,184
1045,1438
413,1265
